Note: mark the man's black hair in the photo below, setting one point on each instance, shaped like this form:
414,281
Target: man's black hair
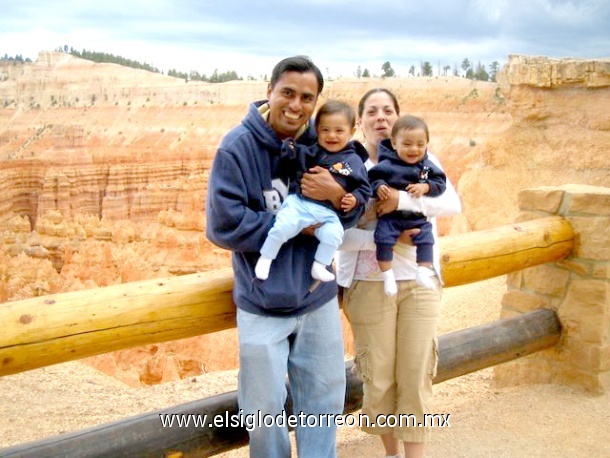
301,64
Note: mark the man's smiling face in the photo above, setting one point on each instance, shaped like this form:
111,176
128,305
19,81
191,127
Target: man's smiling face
292,101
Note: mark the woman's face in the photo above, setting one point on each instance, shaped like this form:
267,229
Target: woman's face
378,117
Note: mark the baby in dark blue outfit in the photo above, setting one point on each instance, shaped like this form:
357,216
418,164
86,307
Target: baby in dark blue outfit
404,165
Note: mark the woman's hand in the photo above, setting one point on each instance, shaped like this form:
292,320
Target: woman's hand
404,241
389,204
318,184
406,236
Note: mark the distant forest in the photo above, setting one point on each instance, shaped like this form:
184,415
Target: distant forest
103,57
470,71
18,58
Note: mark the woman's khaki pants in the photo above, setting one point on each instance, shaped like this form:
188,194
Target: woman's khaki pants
396,355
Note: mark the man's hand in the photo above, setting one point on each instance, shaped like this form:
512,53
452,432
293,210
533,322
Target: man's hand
318,184
311,229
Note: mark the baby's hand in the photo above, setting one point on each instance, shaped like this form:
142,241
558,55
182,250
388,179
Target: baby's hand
418,189
348,202
383,192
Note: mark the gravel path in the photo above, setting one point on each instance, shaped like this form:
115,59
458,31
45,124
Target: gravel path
521,421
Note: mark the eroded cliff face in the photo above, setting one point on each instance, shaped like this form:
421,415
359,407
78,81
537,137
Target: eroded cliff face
559,133
104,169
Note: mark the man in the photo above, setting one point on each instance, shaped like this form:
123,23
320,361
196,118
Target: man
289,323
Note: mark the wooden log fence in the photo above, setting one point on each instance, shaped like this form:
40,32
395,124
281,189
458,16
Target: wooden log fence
460,352
63,327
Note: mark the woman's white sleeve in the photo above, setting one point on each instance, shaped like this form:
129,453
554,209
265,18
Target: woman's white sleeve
447,204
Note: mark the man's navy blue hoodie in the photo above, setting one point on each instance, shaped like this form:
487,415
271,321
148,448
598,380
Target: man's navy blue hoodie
246,188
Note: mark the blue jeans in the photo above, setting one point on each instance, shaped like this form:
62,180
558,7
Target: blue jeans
309,348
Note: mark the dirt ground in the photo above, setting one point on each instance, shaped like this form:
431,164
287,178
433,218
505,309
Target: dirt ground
520,421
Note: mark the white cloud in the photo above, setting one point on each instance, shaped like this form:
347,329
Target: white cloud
250,37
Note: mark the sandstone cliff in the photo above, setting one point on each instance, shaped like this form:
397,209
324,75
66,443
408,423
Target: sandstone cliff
104,168
559,133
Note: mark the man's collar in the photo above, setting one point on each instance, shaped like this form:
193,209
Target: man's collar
264,111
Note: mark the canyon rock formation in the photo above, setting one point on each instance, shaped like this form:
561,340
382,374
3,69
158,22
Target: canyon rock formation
104,170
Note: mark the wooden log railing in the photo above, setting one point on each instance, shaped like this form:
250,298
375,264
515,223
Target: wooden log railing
62,327
460,352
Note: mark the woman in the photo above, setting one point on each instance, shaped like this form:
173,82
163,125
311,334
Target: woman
394,336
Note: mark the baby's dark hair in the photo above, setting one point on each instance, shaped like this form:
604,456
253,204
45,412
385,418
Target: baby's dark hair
409,122
334,107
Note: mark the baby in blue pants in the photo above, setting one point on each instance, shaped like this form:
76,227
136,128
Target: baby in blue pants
335,124
404,165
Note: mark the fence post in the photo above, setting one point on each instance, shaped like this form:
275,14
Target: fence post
577,288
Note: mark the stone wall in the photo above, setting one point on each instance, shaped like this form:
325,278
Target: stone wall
541,71
577,288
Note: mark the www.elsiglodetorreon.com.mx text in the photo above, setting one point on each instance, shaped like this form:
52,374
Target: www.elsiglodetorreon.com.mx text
252,421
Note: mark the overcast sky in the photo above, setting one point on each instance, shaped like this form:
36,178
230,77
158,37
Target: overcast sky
339,35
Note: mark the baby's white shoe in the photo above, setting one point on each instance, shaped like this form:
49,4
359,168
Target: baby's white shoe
262,268
425,277
319,272
389,283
